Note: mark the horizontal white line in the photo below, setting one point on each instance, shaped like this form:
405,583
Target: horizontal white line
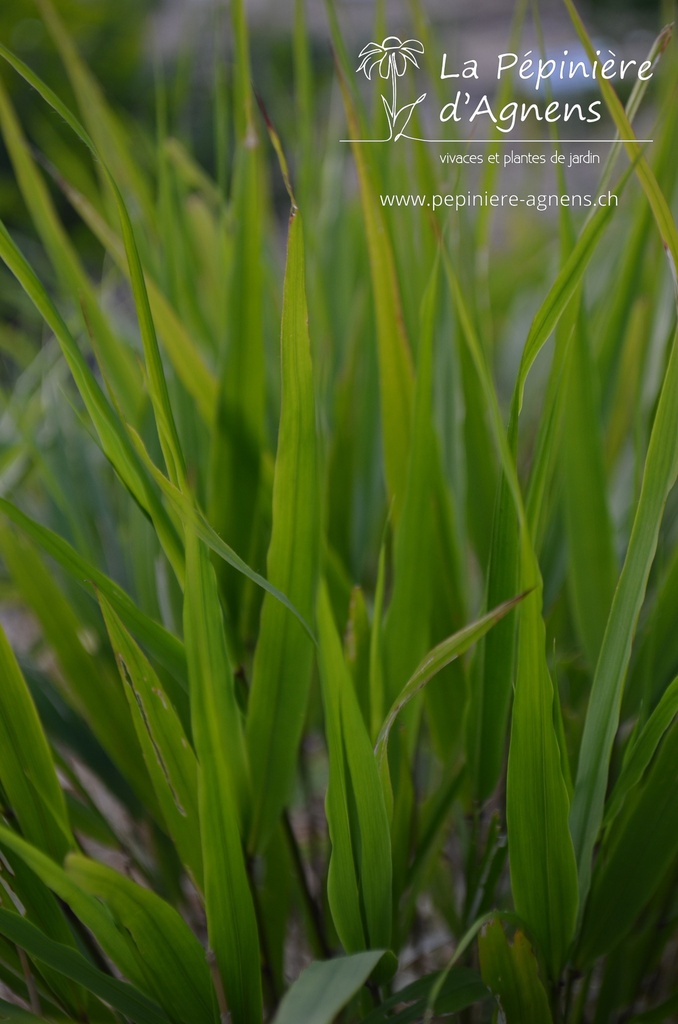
506,142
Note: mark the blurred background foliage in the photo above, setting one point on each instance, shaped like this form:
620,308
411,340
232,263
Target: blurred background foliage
112,36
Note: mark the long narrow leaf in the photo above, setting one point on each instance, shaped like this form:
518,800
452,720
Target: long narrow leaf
86,908
72,964
359,882
167,753
167,431
323,989
283,658
194,520
396,377
643,750
166,647
655,197
173,959
231,920
602,719
116,359
441,655
115,443
27,771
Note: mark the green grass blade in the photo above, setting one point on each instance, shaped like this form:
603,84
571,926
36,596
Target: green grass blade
602,719
589,528
572,272
542,860
239,435
407,627
284,654
654,663
565,286
359,880
193,519
191,173
493,673
543,867
624,397
357,650
186,358
103,707
231,919
164,416
377,696
396,375
640,87
24,890
114,441
173,960
86,908
510,971
640,849
168,756
655,197
167,648
103,124
636,265
27,769
115,358
487,389
211,669
324,988
167,431
72,964
14,1013
538,502
461,989
243,100
488,710
642,751
441,655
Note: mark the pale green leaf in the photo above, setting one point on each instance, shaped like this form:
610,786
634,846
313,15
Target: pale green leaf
167,648
167,753
173,960
602,719
640,848
231,920
359,882
27,771
73,965
441,655
510,971
283,657
396,376
642,749
93,914
324,988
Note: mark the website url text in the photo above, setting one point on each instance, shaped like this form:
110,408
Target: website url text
462,200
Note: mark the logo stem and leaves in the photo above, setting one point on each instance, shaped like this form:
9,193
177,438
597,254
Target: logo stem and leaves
391,57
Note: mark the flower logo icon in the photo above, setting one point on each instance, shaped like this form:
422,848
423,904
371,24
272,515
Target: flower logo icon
391,57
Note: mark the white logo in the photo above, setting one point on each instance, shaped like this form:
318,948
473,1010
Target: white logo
391,57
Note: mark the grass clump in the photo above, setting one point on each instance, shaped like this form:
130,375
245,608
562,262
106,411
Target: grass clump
391,524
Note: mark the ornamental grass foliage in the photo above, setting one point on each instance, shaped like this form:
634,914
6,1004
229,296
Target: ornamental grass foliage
349,567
